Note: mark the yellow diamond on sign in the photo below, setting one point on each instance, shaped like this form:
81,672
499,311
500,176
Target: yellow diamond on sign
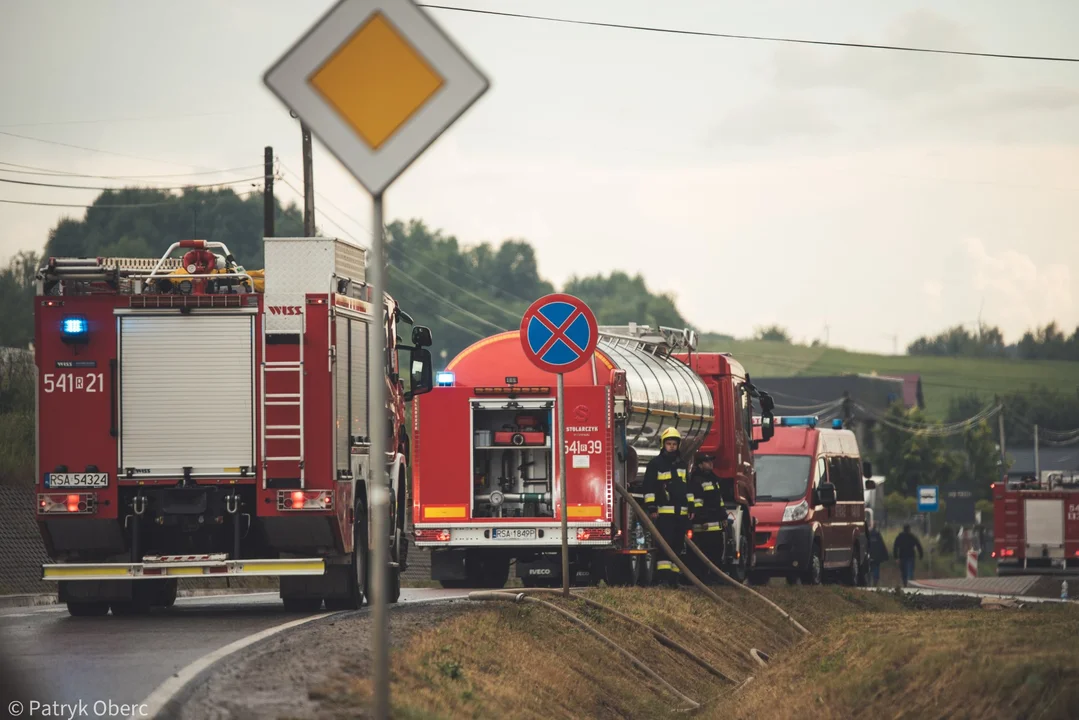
376,81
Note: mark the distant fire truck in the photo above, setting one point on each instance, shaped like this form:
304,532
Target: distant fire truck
1036,525
484,477
195,420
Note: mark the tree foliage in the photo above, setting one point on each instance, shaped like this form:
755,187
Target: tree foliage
618,299
1051,411
17,300
910,459
773,333
165,218
1043,343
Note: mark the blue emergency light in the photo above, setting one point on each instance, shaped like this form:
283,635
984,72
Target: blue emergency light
837,424
797,421
74,328
444,379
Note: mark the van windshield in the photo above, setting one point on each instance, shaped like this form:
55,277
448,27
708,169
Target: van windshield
781,477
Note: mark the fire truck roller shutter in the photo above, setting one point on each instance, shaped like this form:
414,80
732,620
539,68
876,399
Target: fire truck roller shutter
663,393
187,394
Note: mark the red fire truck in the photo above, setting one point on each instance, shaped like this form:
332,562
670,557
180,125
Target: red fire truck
196,420
484,476
1036,525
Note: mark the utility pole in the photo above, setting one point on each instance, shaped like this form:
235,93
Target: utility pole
308,184
1003,449
267,194
1037,459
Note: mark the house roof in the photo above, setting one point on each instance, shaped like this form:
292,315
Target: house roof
793,395
1048,458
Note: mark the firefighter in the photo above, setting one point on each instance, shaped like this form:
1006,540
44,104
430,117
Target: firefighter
709,515
666,499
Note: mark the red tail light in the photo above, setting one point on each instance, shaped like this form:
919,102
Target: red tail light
79,503
432,535
585,534
305,500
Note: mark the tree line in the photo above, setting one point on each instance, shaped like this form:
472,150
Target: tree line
1041,343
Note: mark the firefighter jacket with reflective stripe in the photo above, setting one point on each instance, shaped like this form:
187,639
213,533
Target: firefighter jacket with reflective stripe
704,486
665,486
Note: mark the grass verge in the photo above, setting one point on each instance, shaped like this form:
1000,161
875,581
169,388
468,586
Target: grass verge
948,663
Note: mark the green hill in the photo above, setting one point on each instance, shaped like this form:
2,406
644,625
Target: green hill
942,377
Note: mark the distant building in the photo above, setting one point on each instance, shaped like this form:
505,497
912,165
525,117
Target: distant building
1050,460
807,395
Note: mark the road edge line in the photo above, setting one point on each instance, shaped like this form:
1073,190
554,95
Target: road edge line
166,692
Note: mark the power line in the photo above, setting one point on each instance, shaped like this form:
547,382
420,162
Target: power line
112,120
118,189
96,150
761,38
47,172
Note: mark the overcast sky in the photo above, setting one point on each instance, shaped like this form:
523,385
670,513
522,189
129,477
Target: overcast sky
881,194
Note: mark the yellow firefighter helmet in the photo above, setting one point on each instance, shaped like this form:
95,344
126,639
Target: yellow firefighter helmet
670,434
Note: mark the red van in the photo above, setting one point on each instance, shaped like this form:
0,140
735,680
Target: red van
810,508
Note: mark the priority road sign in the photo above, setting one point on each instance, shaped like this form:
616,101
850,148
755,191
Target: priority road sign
928,498
377,82
559,333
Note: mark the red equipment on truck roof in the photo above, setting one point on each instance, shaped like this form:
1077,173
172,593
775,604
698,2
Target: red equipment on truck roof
1036,525
484,473
198,420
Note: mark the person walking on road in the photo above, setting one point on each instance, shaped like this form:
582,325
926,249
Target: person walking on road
878,553
666,499
903,550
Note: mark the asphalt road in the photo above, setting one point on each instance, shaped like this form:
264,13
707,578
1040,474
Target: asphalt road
123,659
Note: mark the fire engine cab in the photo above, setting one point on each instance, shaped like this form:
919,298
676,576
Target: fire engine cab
1036,524
196,420
485,488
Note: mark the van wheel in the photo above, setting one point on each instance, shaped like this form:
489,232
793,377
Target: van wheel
814,573
854,572
741,566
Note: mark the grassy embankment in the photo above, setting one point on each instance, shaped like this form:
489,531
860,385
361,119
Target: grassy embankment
868,653
942,378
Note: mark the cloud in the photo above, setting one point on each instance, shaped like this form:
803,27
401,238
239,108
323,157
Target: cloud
1019,293
881,72
932,289
772,118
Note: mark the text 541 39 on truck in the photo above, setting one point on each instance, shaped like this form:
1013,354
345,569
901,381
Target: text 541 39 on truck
485,488
197,420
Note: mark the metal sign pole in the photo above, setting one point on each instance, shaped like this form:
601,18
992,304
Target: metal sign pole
379,511
561,442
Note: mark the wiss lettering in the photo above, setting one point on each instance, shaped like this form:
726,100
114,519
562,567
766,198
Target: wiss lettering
286,309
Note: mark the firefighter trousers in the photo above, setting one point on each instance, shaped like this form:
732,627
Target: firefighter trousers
673,529
708,536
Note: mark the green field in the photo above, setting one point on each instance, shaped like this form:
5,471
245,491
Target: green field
942,378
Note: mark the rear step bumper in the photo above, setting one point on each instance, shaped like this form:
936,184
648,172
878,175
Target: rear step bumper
206,568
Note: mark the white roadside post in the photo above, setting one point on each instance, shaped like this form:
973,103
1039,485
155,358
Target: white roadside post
377,81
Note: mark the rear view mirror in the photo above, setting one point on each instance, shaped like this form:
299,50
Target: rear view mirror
422,376
768,426
867,469
767,403
421,336
870,485
826,494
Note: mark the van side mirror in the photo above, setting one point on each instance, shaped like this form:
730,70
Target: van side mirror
867,469
422,375
767,403
826,494
870,485
421,336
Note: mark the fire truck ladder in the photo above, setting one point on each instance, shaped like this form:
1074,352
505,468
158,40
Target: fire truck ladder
290,432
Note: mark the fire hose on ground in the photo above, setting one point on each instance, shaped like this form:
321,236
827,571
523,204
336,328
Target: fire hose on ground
657,537
516,597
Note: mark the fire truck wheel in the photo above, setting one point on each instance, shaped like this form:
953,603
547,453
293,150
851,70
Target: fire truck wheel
357,569
495,573
166,593
88,609
644,568
143,596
